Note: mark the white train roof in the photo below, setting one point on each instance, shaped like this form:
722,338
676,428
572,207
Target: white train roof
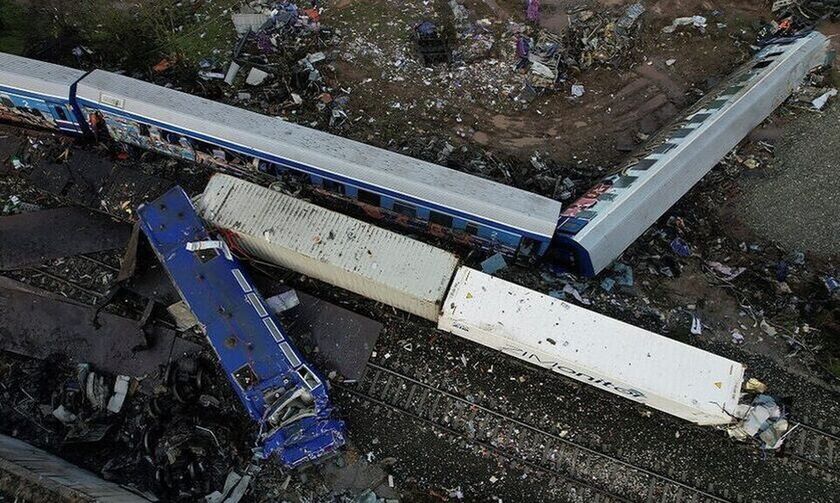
648,186
37,76
378,167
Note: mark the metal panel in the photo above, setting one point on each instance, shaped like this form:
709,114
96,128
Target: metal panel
721,124
38,77
628,361
32,238
59,480
329,246
330,154
37,324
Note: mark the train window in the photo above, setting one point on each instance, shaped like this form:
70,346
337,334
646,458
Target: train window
698,118
643,164
665,147
774,54
440,219
144,129
762,64
716,104
6,102
368,198
245,376
732,89
173,138
61,114
681,133
308,377
471,229
332,186
624,181
405,209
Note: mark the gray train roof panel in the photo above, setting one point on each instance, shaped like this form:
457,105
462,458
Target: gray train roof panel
402,174
661,179
37,76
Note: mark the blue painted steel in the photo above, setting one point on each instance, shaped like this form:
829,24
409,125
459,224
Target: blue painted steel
46,105
280,391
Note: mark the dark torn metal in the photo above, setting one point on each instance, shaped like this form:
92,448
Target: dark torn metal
38,325
345,340
33,238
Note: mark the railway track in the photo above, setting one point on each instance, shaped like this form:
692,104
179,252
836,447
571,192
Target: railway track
594,475
815,446
84,278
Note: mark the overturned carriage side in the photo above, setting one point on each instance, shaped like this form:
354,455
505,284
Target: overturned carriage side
594,230
614,356
277,386
416,194
334,248
39,94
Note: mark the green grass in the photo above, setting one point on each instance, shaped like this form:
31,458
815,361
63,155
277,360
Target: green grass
13,27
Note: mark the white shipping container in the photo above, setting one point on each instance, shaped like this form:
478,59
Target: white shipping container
342,251
628,361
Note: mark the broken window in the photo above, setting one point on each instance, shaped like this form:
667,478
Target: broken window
309,378
471,229
368,198
61,114
440,219
405,209
332,186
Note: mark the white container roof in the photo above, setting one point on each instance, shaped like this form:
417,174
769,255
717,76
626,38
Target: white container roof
672,376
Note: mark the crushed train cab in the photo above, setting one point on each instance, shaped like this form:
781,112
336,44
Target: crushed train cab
277,386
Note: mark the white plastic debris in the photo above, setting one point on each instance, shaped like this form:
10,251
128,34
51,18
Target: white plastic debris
696,325
64,415
697,21
117,400
210,244
233,69
670,62
737,337
819,102
578,90
256,77
763,421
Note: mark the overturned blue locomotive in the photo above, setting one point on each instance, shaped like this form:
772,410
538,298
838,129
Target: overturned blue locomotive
280,390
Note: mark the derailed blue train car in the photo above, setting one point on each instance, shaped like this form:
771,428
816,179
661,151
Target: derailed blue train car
278,388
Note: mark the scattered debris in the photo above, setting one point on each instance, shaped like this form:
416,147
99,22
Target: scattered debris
256,77
819,102
698,22
763,421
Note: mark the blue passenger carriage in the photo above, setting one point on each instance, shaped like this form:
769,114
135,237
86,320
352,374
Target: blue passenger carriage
39,94
419,195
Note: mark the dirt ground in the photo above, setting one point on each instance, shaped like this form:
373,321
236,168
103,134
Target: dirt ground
468,117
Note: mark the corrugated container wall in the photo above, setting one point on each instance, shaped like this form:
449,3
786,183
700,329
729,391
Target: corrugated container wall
628,361
342,251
